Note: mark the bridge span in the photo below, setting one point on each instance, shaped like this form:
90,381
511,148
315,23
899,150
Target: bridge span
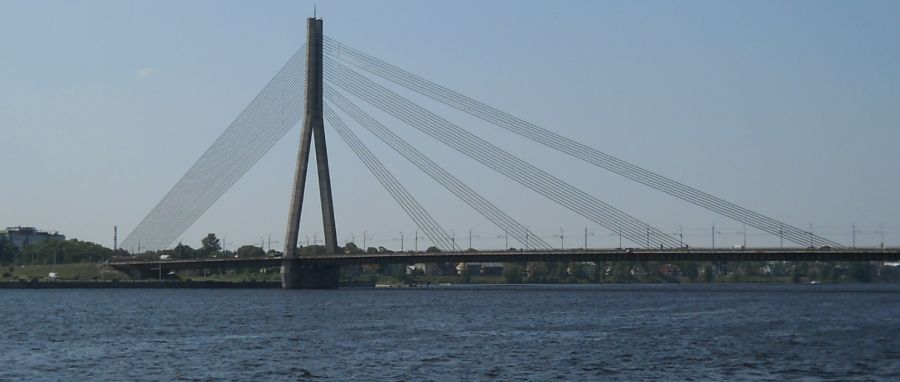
328,264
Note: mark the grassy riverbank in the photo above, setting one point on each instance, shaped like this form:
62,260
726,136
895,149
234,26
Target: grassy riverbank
77,271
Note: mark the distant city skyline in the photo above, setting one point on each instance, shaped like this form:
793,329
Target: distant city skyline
789,109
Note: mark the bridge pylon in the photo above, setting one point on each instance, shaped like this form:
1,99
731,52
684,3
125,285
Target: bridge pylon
293,274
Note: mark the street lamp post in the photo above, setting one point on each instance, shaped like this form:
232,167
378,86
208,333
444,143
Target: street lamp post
648,237
527,231
562,242
714,237
745,236
781,235
810,233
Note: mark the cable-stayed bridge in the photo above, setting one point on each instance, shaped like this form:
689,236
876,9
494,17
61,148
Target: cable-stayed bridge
326,80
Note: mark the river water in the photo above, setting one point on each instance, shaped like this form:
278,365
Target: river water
643,332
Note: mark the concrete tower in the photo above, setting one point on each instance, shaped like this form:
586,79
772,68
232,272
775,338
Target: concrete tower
293,274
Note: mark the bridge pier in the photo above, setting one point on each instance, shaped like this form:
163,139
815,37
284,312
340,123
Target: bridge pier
295,275
134,273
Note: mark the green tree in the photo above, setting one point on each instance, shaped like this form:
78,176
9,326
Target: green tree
622,272
512,273
61,252
861,272
691,271
600,272
465,277
796,275
352,248
250,251
708,275
210,245
8,252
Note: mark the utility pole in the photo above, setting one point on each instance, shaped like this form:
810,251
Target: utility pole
620,237
365,233
561,239
506,241
416,249
854,235
713,236
401,241
470,238
881,226
810,234
585,238
680,236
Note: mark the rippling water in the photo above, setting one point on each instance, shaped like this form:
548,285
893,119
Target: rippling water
646,332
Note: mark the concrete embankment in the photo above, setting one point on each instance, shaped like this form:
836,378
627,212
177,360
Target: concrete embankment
138,284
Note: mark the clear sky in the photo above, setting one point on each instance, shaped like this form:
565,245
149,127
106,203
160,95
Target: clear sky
791,109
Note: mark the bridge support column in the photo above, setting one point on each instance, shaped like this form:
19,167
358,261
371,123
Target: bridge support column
294,275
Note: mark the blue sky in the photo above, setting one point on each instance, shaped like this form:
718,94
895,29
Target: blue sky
787,108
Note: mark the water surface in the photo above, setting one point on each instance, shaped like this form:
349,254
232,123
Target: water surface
643,332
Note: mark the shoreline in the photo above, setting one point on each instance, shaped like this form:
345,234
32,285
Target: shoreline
152,284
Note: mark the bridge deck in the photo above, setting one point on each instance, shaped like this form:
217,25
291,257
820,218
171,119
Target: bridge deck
662,255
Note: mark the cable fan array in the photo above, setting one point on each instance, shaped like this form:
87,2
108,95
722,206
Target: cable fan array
279,106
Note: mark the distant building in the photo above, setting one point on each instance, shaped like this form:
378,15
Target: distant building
22,236
487,269
436,269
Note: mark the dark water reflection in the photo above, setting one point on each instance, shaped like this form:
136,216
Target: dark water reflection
649,332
